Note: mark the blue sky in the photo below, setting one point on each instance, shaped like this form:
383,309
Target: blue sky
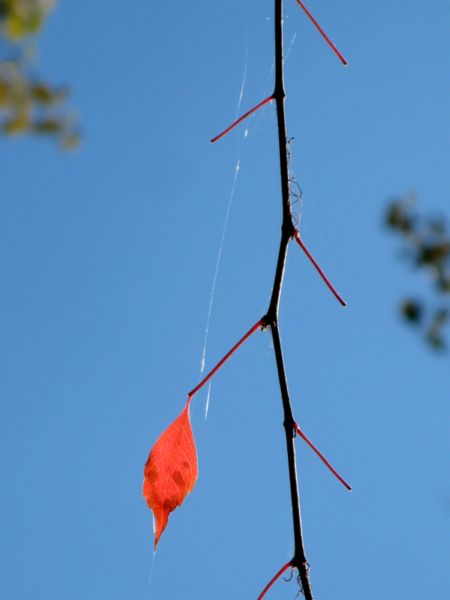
107,259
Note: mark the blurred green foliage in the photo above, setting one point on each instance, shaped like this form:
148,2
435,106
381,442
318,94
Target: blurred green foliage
29,105
426,246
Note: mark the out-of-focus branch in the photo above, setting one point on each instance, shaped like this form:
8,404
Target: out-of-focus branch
425,246
28,103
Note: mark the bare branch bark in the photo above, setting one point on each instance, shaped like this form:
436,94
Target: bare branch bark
271,319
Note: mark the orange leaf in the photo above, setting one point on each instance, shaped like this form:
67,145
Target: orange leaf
171,470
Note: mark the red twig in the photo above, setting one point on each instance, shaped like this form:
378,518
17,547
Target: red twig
318,268
322,457
247,114
224,359
274,578
322,33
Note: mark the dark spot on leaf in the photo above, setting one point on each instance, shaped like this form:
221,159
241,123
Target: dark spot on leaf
178,478
170,504
152,475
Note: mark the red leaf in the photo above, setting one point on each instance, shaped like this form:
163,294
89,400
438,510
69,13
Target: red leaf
171,470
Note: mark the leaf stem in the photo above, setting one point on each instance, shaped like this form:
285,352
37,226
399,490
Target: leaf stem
221,362
321,456
244,116
330,286
274,578
322,32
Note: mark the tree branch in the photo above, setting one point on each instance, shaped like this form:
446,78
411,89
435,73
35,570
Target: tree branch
271,319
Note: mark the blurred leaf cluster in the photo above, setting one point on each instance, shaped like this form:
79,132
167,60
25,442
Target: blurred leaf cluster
29,105
426,246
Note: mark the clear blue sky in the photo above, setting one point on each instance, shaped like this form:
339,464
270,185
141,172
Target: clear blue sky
107,259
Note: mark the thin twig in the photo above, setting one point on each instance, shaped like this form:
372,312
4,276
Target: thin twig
222,361
321,456
330,286
274,578
322,33
244,116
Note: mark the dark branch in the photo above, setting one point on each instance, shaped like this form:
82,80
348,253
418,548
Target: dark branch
271,319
